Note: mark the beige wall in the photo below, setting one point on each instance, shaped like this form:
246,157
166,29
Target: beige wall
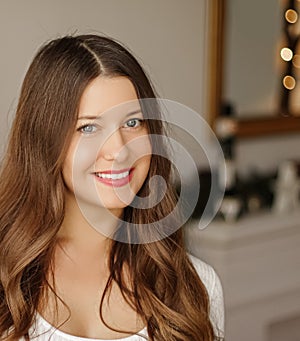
167,37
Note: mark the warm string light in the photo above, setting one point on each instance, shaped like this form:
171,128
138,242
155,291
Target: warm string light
296,61
291,16
286,54
289,82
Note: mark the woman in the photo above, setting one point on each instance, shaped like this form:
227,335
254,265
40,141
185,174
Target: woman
74,262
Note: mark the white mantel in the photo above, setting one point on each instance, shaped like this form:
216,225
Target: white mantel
258,261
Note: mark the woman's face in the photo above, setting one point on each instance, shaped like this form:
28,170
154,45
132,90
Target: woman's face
109,156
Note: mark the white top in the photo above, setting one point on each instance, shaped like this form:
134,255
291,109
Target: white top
43,331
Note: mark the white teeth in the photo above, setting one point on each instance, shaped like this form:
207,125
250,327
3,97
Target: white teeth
113,176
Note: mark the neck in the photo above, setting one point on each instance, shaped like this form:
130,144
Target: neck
86,228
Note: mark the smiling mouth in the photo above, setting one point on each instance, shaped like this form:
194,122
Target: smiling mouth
115,178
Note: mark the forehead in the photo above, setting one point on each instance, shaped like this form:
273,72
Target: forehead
104,93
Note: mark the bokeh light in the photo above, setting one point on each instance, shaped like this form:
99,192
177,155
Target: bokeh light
286,54
296,61
291,16
289,82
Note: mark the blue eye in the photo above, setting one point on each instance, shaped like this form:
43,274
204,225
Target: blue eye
133,123
87,129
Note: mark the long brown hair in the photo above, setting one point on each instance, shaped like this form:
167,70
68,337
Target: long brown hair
32,200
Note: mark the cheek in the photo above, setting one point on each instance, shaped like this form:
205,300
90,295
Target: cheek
146,152
146,163
82,154
140,147
80,157
67,170
85,153
67,173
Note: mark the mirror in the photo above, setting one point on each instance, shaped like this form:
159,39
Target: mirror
225,68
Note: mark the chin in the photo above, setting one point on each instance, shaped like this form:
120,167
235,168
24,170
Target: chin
116,205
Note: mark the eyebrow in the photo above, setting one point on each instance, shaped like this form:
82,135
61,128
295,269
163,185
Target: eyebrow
97,117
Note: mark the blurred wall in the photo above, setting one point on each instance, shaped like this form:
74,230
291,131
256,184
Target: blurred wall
166,36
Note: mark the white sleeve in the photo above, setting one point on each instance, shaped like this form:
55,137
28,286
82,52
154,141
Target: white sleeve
217,306
214,288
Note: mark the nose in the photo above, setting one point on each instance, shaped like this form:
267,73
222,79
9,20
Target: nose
114,148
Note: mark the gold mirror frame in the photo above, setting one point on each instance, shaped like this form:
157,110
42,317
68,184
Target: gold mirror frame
246,128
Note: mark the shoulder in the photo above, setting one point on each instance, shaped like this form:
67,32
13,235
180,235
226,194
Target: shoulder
207,274
212,282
